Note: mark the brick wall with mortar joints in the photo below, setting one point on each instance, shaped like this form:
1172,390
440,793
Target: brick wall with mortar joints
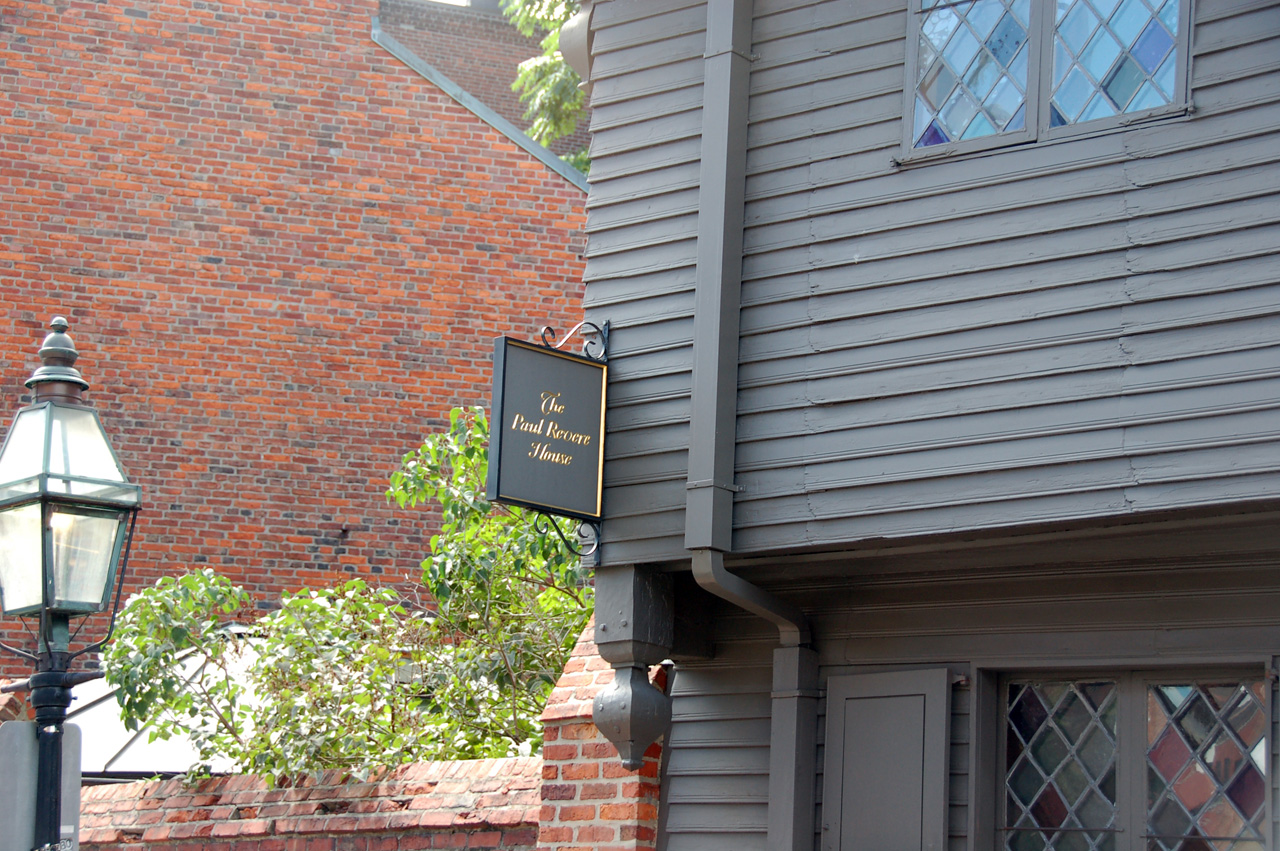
284,257
479,51
480,804
589,801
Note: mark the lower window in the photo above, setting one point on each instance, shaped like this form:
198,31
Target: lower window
1135,761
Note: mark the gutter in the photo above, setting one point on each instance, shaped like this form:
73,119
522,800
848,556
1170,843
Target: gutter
464,98
713,424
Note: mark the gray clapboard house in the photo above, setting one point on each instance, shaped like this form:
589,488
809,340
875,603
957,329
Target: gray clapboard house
943,448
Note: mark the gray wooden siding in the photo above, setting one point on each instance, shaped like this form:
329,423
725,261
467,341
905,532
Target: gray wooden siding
642,220
1076,329
1072,610
1086,328
717,790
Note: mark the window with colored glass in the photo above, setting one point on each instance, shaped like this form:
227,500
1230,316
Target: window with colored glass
991,72
1133,763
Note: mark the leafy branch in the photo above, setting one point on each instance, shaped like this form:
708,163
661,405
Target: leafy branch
358,677
547,85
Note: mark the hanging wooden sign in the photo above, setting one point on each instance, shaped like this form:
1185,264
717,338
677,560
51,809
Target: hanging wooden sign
546,434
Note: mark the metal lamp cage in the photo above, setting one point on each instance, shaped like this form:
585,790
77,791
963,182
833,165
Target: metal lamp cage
66,505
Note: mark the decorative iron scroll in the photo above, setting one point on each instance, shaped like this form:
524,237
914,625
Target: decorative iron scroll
596,345
587,533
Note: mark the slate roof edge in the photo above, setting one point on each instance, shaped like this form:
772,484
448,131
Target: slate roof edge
390,44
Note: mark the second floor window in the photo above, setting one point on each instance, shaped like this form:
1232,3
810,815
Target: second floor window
989,72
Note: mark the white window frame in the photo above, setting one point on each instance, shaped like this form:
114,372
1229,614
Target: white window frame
1039,85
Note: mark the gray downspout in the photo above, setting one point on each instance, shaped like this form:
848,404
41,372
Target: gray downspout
713,425
793,724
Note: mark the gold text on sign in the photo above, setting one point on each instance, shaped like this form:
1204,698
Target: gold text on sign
521,424
543,452
549,430
550,403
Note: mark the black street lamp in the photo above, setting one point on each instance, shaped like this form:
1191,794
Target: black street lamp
67,514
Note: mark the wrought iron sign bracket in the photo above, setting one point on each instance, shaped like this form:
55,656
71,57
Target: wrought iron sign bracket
584,541
587,535
595,345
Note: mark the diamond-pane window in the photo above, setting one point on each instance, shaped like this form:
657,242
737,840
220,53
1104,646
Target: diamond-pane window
1062,745
1135,763
1201,780
977,65
1116,56
969,48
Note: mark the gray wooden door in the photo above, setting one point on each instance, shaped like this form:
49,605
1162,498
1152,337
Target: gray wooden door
885,781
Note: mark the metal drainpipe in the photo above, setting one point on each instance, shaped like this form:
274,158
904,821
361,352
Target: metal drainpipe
712,439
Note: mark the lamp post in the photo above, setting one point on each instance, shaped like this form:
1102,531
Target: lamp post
67,513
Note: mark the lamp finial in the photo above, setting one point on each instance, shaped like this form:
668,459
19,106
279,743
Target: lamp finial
57,375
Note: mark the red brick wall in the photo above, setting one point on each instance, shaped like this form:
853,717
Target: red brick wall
478,50
587,799
283,256
482,804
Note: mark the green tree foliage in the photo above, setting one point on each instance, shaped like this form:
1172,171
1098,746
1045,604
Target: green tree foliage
510,597
315,684
547,85
356,677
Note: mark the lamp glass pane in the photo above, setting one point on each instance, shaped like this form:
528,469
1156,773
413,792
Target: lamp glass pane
121,493
84,549
24,449
79,447
20,558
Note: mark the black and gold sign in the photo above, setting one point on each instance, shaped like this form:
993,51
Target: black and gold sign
546,435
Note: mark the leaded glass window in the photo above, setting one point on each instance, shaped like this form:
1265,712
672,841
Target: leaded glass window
972,61
1113,57
1061,766
978,66
1206,766
1192,755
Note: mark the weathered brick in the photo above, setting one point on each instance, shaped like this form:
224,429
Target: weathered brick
598,791
486,810
549,834
602,750
640,832
596,833
559,791
523,837
619,812
581,771
578,731
560,753
578,812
